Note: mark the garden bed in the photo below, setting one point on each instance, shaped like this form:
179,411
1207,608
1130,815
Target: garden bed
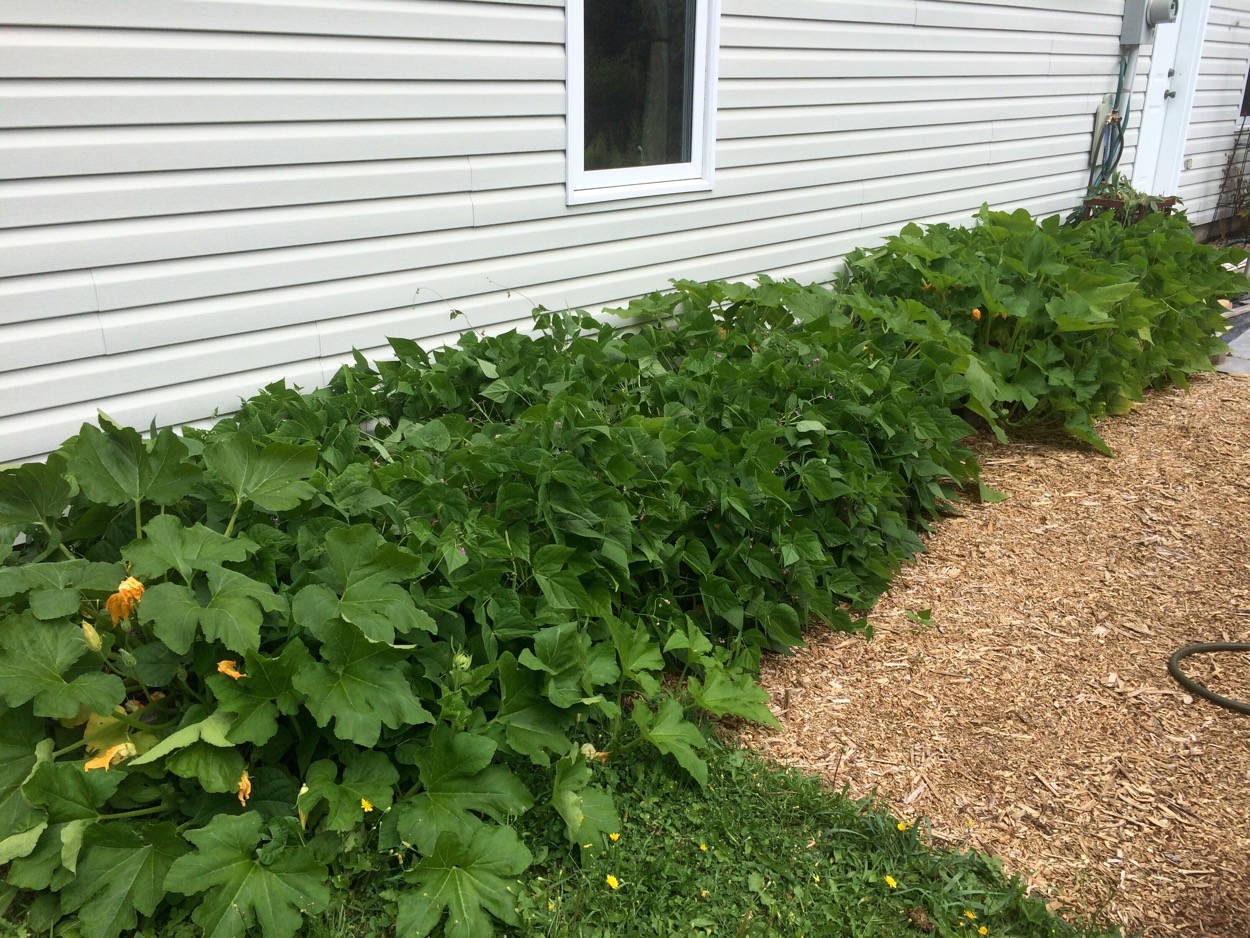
1034,718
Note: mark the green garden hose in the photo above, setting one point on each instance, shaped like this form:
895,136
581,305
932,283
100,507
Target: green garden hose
1174,667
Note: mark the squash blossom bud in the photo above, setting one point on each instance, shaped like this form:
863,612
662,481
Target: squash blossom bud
90,636
461,662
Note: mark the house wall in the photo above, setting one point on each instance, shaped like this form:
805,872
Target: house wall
203,197
1216,115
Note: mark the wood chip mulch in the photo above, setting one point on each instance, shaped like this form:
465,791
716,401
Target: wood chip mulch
1035,719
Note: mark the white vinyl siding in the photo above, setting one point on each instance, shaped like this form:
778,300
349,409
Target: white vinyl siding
203,197
1216,114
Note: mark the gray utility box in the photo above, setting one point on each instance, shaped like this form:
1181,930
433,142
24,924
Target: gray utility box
1142,16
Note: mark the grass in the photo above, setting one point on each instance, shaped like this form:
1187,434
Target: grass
763,851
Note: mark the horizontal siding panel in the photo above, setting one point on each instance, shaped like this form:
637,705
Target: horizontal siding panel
23,299
1104,7
411,19
41,153
768,33
113,53
899,12
983,16
750,63
129,195
765,122
766,151
109,243
45,341
132,372
1015,129
969,182
1064,189
90,103
767,92
506,170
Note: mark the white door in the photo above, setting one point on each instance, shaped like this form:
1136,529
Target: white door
1164,119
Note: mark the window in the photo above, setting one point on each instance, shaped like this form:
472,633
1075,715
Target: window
641,97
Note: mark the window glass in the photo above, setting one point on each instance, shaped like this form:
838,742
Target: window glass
639,70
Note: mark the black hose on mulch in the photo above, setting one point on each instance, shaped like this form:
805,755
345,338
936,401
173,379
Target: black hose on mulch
1174,667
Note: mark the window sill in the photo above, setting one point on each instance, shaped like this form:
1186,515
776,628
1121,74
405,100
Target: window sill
636,191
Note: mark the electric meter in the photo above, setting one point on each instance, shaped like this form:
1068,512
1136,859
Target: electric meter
1142,16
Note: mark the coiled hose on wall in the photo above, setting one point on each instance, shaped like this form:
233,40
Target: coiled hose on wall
1174,667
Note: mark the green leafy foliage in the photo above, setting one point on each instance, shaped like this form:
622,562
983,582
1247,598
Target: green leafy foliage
334,632
473,881
1046,324
240,887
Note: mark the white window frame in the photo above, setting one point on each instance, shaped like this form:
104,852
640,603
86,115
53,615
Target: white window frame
632,182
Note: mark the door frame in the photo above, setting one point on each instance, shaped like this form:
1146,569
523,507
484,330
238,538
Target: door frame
1163,130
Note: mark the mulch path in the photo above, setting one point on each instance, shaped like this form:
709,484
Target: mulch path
1034,719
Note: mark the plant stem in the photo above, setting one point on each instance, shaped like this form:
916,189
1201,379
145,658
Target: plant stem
138,519
238,505
137,812
61,547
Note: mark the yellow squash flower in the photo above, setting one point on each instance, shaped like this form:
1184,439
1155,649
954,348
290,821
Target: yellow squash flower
976,315
122,603
245,788
230,669
110,756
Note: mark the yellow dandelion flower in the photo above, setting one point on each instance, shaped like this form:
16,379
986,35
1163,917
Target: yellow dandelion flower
969,914
889,881
551,906
230,669
122,603
815,877
703,893
983,930
901,826
614,837
245,788
366,804
612,881
703,847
